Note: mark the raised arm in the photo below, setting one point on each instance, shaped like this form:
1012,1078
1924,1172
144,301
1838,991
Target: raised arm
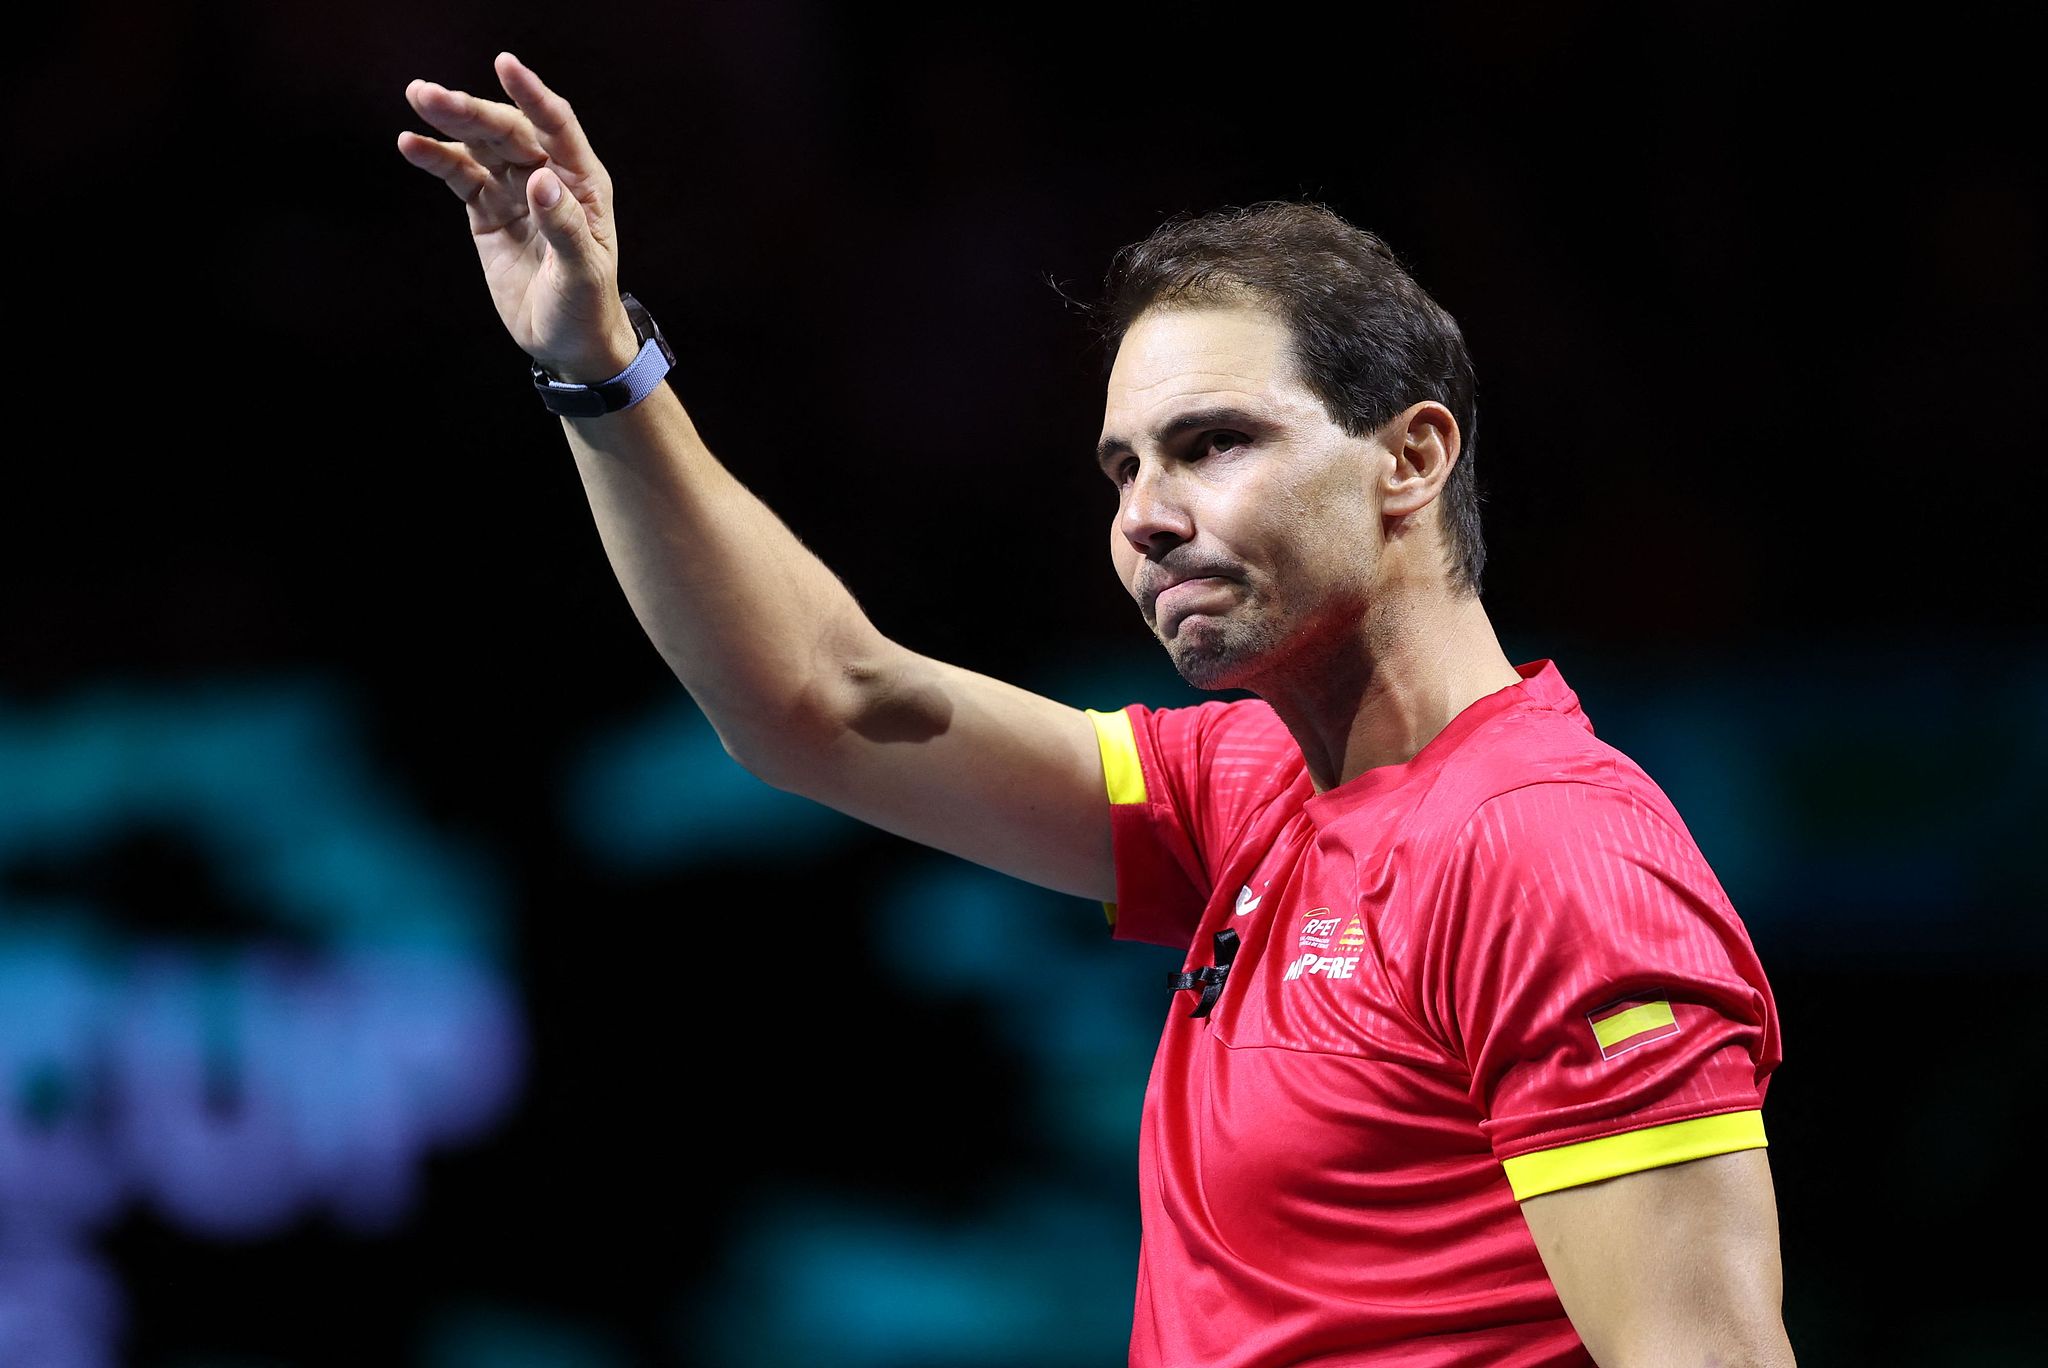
800,686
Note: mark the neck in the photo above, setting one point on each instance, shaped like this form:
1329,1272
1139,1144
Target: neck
1379,694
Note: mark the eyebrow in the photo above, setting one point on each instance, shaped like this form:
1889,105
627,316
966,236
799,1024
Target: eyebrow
1109,448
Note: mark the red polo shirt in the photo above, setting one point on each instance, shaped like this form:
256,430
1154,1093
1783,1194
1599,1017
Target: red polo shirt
1499,969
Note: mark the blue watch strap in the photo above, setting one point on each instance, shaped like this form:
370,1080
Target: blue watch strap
623,390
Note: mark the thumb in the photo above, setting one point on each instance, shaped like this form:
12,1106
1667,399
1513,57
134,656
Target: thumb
559,214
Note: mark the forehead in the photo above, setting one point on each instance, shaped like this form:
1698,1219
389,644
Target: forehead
1232,355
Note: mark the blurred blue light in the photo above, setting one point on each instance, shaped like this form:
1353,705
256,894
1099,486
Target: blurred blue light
267,779
234,1086
506,1337
661,791
1039,1278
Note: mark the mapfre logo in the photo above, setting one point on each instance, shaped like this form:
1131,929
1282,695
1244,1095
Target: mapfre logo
1329,966
1317,927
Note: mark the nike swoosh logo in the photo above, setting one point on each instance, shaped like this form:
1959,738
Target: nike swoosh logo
1246,902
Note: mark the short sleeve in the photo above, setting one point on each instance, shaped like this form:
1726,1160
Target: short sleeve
1602,991
1182,783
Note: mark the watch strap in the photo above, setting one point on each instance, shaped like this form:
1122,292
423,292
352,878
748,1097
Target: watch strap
649,367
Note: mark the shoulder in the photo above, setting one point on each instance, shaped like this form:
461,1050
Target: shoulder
1586,893
1542,811
1539,808
1538,777
1565,865
1217,769
1239,717
1235,740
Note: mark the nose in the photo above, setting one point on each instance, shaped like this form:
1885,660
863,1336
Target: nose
1153,514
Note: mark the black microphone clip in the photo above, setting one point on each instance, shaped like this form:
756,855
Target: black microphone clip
1209,979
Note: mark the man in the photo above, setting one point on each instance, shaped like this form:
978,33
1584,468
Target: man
1470,1064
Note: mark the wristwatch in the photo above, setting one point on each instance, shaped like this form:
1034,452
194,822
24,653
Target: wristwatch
623,390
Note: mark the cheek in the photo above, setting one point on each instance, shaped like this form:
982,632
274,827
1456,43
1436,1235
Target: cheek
1121,557
1319,551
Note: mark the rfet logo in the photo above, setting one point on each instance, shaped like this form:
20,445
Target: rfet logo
1317,926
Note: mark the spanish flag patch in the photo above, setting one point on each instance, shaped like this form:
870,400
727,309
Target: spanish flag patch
1622,1025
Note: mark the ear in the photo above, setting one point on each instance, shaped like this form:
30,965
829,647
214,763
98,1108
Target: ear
1423,440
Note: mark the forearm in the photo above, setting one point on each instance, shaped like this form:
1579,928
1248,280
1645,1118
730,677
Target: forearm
762,634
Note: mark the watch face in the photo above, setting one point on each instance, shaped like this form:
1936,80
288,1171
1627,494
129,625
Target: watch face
643,322
644,326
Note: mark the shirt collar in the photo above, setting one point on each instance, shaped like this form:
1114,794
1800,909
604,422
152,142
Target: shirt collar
1540,686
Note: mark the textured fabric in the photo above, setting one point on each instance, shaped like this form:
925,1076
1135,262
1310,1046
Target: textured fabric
1508,945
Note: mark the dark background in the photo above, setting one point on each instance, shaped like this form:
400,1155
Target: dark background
1754,295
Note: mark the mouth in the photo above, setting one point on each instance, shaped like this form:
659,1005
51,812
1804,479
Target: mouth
1186,598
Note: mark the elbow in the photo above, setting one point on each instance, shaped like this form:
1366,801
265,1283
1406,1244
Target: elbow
741,752
799,740
780,747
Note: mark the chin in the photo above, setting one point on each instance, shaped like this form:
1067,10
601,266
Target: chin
1211,664
1200,676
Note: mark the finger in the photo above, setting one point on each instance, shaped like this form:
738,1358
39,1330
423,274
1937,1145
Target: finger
498,135
562,221
561,136
459,171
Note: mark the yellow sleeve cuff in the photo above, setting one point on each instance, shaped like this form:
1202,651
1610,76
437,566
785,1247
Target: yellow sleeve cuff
1122,774
1610,1156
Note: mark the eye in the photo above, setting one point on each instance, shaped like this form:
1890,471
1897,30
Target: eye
1222,440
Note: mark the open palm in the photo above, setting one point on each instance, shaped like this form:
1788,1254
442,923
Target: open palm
540,210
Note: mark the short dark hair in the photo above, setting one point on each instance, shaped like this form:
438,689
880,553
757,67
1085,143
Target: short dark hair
1368,341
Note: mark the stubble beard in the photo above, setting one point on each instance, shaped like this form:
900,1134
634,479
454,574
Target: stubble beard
1259,642
1222,652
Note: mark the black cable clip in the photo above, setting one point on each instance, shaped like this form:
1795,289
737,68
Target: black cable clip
1209,979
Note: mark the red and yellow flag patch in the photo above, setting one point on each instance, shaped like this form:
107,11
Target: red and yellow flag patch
1622,1025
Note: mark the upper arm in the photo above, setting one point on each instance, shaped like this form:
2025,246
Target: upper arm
942,755
1671,1265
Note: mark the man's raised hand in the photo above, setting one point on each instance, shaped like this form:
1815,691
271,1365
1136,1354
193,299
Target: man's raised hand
540,209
